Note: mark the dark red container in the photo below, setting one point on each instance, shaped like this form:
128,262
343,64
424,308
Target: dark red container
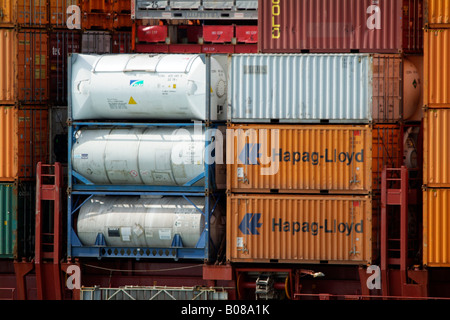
218,34
374,26
61,44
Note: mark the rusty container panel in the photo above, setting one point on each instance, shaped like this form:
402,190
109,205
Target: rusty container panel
384,26
58,12
8,53
299,159
299,229
437,68
386,150
96,6
436,165
62,43
437,13
436,227
24,141
24,13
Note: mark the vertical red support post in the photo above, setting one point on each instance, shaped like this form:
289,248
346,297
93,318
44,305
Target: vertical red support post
384,234
47,263
404,225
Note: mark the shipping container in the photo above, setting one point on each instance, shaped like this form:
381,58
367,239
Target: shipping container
24,57
437,68
121,42
97,20
384,26
168,227
198,10
335,88
24,13
436,166
310,159
92,6
437,13
173,87
17,203
63,13
62,43
300,229
97,42
436,227
23,141
299,159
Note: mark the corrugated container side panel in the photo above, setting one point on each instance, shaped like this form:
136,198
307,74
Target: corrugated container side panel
8,142
8,53
436,170
96,42
58,11
306,88
8,226
26,13
436,227
310,159
386,150
340,26
61,44
437,68
437,12
32,63
24,137
299,229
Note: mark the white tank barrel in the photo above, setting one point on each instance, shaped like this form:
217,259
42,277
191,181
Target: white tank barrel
146,86
141,156
146,222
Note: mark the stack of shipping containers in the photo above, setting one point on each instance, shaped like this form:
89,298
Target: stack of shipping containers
24,95
321,109
436,174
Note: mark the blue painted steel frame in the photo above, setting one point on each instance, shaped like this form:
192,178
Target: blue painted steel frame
204,250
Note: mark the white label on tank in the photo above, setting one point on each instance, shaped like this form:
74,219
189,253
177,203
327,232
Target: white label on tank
81,156
239,242
116,104
138,230
165,234
240,172
125,233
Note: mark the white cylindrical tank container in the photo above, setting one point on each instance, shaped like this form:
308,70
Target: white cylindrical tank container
146,86
146,222
166,156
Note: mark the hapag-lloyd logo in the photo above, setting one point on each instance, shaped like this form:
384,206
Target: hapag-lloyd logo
373,21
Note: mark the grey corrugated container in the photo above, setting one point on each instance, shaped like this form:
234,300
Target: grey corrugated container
335,88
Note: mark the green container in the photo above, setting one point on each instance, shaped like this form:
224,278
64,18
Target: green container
17,212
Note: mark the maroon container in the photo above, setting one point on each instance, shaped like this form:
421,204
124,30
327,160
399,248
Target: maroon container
61,44
374,26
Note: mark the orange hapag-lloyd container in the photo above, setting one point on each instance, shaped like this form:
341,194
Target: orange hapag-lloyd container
437,68
23,141
300,229
24,65
309,158
436,227
436,164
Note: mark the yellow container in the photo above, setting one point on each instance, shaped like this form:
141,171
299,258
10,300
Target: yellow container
300,229
436,147
436,227
23,141
437,68
437,13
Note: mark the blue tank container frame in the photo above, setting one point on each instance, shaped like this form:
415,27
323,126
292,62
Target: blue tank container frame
77,182
205,249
